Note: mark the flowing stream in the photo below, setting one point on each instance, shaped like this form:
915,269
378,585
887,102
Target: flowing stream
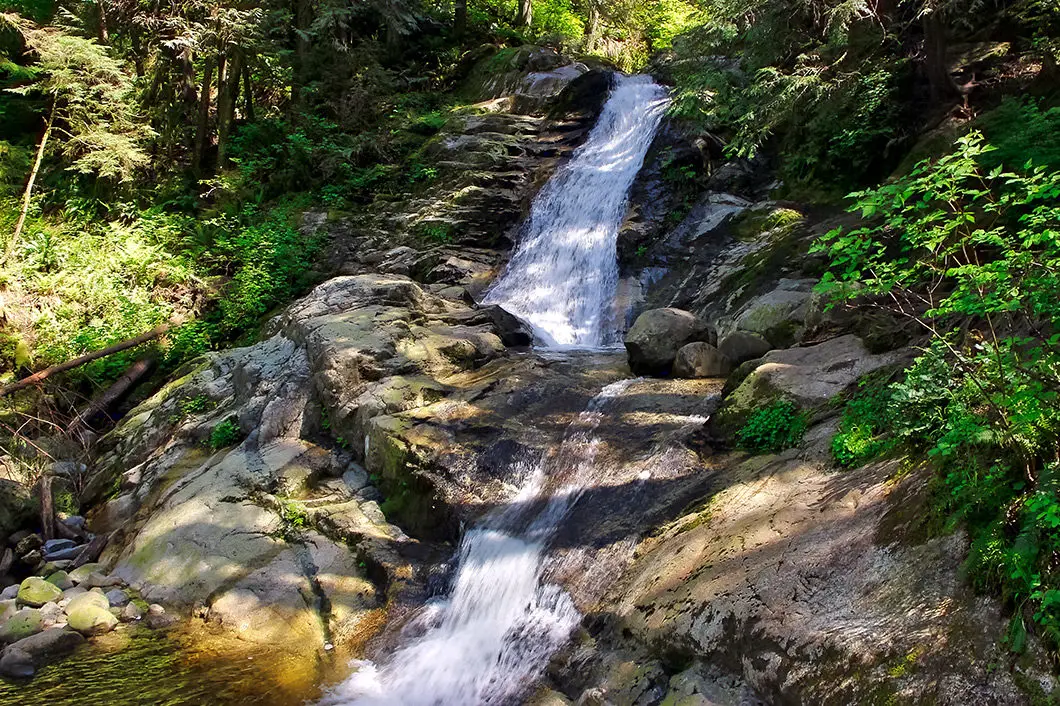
492,635
564,272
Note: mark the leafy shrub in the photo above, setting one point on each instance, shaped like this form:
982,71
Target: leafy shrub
775,427
225,433
865,428
1022,131
436,231
972,254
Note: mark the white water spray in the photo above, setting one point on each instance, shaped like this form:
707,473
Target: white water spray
493,634
563,275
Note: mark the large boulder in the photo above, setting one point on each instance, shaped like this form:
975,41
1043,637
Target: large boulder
778,316
701,360
742,346
794,584
16,506
809,377
658,334
22,659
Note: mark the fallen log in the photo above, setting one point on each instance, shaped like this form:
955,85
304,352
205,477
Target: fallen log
36,378
129,378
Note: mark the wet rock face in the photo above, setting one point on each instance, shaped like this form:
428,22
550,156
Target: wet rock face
793,583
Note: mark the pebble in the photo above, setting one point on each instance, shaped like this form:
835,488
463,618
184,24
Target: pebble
50,614
9,592
132,612
98,580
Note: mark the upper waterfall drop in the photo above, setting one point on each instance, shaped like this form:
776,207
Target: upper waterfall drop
564,273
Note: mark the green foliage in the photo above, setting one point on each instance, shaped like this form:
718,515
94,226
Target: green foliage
293,518
436,231
971,252
65,501
775,427
225,433
866,427
1022,131
88,96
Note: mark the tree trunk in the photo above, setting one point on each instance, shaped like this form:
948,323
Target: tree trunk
303,17
248,94
27,197
122,385
187,79
393,38
202,126
525,15
592,28
459,18
943,87
103,34
228,94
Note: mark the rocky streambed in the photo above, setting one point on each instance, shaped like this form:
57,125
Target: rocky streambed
295,502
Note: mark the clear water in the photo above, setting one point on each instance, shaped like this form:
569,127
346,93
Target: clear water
564,272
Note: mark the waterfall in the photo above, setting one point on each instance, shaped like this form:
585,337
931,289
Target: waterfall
564,272
491,637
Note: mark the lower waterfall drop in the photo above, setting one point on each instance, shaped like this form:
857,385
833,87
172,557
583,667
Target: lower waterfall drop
495,631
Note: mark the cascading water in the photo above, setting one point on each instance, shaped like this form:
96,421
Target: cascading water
493,634
564,272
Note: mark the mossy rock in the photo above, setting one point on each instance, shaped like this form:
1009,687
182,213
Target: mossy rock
17,506
751,224
90,598
81,573
90,619
35,592
23,623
